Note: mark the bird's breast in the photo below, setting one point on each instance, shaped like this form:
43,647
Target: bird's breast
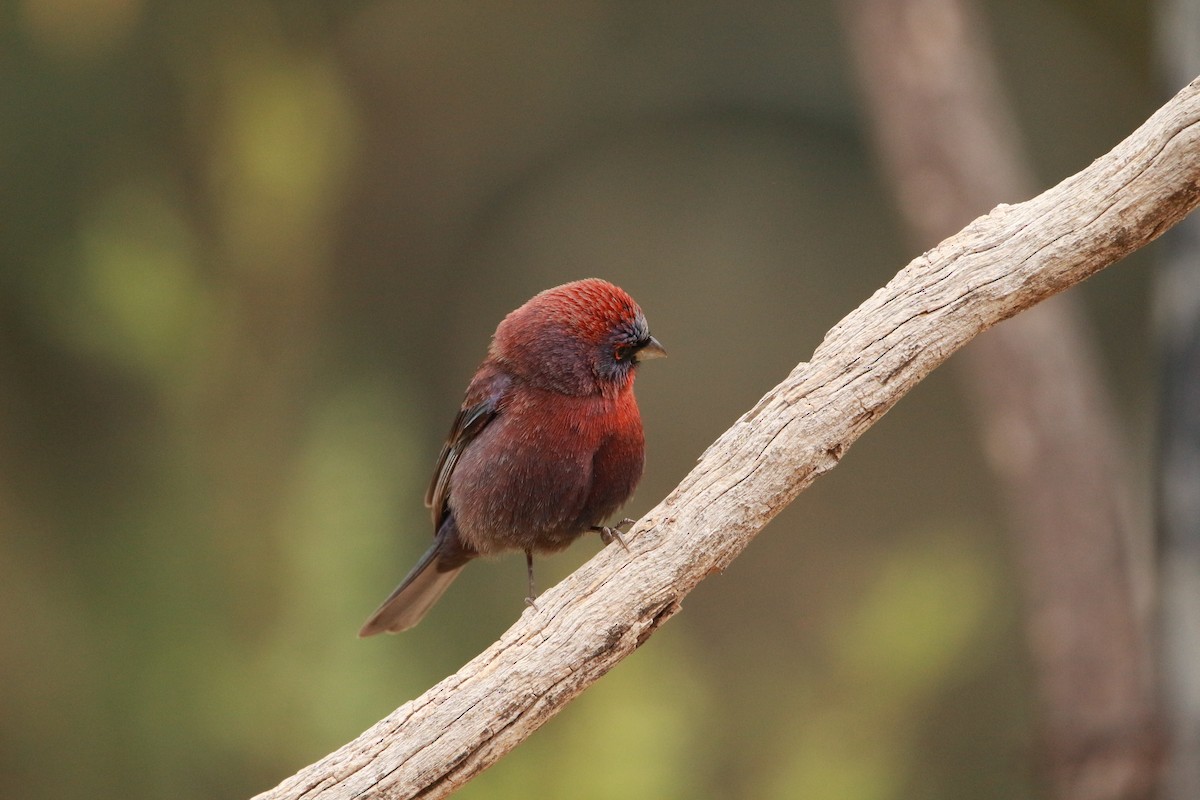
546,469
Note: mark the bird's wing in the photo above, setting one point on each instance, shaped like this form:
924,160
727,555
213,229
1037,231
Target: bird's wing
483,402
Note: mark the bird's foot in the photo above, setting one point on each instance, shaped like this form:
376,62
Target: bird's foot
529,572
610,534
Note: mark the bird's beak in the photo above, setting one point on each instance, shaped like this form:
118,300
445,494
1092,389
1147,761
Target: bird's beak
653,349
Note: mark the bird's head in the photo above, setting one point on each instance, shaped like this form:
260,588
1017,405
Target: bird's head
580,338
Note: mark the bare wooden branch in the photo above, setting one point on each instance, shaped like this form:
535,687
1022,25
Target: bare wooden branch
997,266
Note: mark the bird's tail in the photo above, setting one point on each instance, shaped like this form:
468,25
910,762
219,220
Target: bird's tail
423,585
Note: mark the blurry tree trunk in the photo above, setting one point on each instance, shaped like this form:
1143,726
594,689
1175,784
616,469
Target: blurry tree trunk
949,144
1178,313
998,266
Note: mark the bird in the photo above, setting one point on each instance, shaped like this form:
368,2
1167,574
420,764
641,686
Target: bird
547,444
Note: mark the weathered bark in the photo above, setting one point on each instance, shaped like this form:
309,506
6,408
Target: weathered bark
998,266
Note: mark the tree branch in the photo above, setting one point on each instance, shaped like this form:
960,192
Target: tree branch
997,266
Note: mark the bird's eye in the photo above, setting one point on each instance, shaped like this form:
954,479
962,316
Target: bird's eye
622,352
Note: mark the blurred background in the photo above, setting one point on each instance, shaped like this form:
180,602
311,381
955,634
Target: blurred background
250,254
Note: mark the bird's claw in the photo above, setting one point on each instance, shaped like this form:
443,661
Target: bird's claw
610,534
529,601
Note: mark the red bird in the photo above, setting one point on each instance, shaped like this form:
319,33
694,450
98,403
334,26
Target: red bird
547,445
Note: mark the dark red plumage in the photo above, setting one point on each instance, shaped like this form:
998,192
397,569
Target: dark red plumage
547,445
